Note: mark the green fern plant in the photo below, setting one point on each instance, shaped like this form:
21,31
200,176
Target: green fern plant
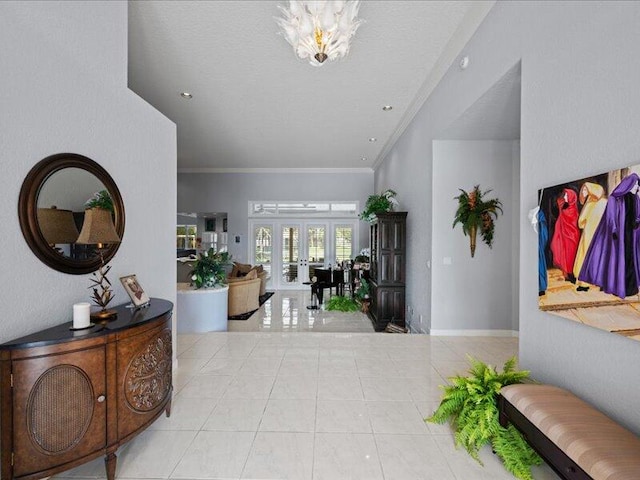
342,304
470,405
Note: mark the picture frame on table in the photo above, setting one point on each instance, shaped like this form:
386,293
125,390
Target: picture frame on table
137,295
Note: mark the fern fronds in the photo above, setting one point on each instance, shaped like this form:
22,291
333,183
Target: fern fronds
469,404
515,452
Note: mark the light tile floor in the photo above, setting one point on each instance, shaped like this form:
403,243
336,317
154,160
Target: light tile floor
286,311
310,406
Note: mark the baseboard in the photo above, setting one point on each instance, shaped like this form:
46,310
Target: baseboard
474,333
416,330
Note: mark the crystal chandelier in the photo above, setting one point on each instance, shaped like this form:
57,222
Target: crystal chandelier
319,30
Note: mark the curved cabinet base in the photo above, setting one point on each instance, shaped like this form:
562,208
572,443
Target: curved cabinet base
69,399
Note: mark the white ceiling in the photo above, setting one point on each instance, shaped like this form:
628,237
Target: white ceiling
256,105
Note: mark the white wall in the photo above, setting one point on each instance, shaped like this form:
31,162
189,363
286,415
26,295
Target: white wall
515,235
471,293
231,192
580,101
63,88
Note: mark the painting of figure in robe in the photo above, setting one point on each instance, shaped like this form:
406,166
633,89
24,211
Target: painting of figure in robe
564,243
592,259
593,205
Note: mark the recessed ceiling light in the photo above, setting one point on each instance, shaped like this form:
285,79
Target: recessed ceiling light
386,108
373,139
364,159
186,95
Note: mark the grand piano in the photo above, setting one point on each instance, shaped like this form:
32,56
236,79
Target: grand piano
327,278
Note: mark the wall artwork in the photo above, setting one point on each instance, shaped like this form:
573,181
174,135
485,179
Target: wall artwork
589,251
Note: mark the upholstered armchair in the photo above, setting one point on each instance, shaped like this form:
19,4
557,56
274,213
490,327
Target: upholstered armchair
244,294
263,276
241,269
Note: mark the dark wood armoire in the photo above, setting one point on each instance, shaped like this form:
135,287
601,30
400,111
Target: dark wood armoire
388,245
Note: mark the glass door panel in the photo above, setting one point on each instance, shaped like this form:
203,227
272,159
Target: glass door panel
291,250
263,247
343,242
316,249
290,254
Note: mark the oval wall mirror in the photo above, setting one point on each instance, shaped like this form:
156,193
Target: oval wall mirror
52,213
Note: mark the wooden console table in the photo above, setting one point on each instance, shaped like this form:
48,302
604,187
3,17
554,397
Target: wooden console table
68,397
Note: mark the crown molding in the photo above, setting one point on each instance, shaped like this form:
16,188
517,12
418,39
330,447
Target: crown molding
274,170
472,20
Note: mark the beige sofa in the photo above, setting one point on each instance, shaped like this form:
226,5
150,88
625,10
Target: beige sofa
241,269
244,294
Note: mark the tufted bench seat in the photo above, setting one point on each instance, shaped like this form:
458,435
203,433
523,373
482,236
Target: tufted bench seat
575,439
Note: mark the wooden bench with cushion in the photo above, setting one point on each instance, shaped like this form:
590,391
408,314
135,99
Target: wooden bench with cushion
575,439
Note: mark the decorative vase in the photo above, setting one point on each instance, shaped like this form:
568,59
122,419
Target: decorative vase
473,231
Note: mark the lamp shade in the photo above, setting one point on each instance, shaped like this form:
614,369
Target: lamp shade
57,225
98,228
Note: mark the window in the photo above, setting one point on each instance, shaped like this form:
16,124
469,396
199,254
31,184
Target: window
303,209
344,242
263,254
186,236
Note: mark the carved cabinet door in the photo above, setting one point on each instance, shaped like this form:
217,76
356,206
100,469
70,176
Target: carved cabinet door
144,377
59,409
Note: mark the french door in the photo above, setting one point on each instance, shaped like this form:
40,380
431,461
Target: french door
290,250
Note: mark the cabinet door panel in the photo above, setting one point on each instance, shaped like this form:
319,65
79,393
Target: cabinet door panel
59,410
144,377
391,305
398,268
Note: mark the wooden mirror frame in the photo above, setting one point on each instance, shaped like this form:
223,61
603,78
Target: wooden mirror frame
28,212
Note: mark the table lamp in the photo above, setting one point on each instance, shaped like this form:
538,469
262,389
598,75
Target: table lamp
98,229
57,226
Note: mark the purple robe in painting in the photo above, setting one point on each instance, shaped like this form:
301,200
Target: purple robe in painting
613,258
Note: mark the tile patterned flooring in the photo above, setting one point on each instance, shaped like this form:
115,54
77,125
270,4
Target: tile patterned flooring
309,406
286,311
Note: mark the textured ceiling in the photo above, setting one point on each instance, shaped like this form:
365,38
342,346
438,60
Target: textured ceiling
256,105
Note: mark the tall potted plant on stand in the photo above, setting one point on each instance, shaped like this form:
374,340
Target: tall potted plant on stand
362,295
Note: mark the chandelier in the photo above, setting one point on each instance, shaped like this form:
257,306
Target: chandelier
319,30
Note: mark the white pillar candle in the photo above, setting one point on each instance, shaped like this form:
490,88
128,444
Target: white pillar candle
81,313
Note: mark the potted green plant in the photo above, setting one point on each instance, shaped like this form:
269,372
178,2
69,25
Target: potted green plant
474,212
469,404
341,304
100,199
362,295
209,270
385,202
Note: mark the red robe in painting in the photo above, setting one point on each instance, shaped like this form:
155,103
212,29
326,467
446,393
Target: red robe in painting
566,235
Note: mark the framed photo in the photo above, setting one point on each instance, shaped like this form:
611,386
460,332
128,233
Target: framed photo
134,290
209,224
224,224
